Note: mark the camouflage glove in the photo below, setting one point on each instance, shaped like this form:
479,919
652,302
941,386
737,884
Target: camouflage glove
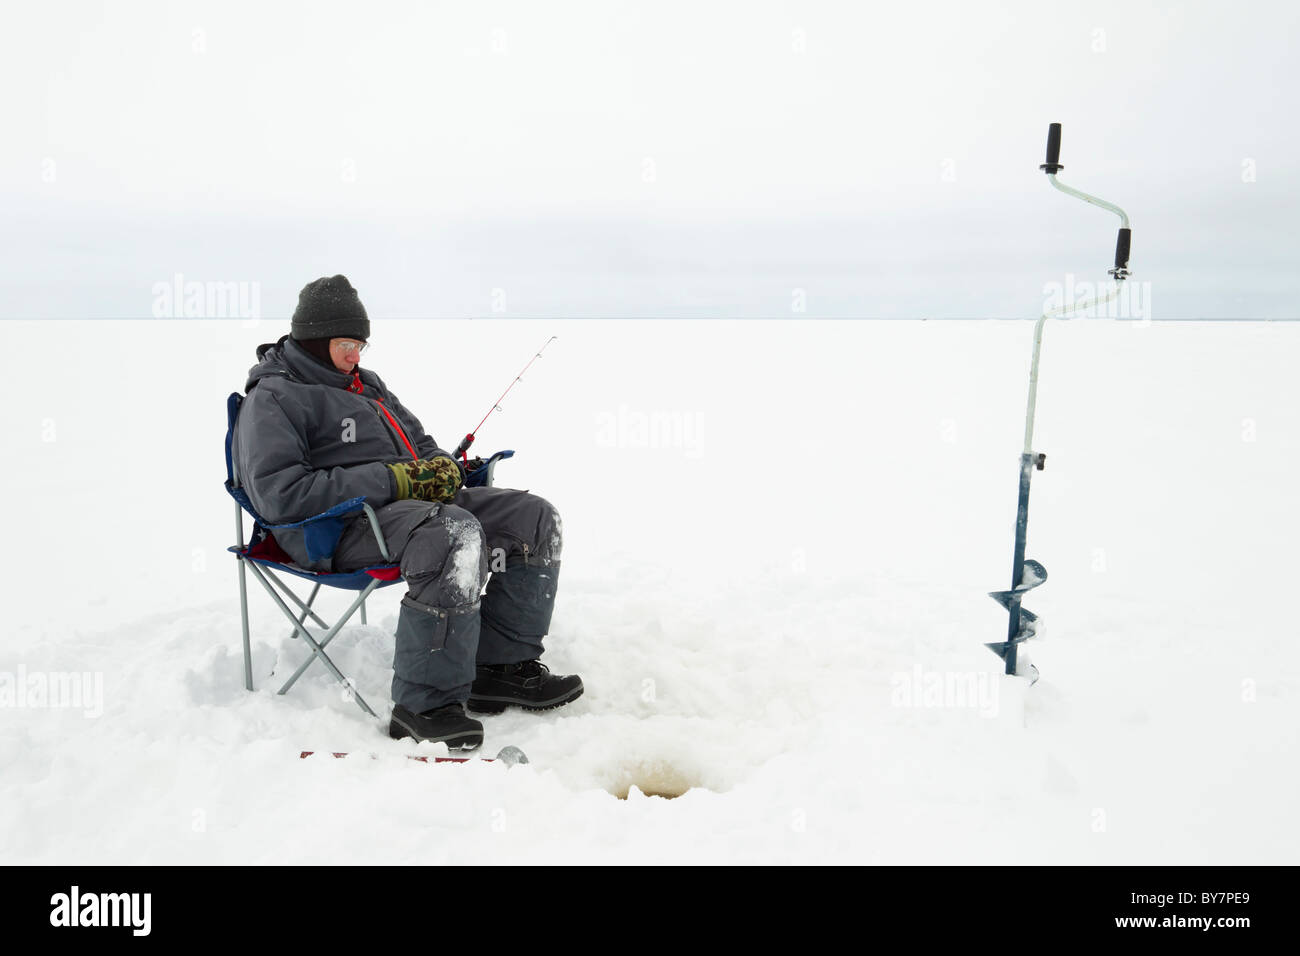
430,479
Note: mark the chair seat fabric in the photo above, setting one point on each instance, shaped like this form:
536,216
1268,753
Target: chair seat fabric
268,553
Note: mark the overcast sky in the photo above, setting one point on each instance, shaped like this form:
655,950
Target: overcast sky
649,158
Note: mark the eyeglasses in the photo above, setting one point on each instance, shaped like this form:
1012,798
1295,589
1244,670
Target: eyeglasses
357,347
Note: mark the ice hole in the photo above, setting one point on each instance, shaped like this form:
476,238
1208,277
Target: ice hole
654,778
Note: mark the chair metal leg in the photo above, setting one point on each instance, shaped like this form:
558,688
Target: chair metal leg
306,610
329,636
318,650
243,616
363,613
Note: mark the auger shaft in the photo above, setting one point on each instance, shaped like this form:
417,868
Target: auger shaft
1018,562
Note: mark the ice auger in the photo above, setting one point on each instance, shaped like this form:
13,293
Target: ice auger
1027,575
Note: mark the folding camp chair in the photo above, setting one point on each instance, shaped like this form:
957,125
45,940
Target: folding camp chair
321,533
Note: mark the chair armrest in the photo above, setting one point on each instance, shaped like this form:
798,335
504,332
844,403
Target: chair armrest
321,532
340,509
379,535
482,476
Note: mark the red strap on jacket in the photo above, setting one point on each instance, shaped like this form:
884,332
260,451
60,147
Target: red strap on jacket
356,386
393,420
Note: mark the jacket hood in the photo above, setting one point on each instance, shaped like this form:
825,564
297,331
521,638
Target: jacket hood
286,358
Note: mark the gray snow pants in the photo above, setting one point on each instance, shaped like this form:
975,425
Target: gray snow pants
447,624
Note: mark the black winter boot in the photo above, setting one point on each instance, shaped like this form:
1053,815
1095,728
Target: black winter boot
447,724
529,685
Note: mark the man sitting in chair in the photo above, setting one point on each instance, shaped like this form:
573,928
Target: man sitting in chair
317,429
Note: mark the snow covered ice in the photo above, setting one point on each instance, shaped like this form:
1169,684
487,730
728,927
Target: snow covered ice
797,663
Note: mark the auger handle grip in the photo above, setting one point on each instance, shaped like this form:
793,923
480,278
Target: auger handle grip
1122,247
1053,164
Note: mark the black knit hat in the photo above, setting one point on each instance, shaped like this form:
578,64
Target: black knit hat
329,308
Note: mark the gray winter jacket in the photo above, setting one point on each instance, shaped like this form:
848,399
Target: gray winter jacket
309,437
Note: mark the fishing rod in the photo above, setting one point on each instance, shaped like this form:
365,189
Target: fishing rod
1027,575
468,440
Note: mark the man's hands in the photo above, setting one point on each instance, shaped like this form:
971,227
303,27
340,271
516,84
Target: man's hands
429,479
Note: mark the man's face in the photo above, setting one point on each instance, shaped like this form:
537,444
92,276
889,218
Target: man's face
346,353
